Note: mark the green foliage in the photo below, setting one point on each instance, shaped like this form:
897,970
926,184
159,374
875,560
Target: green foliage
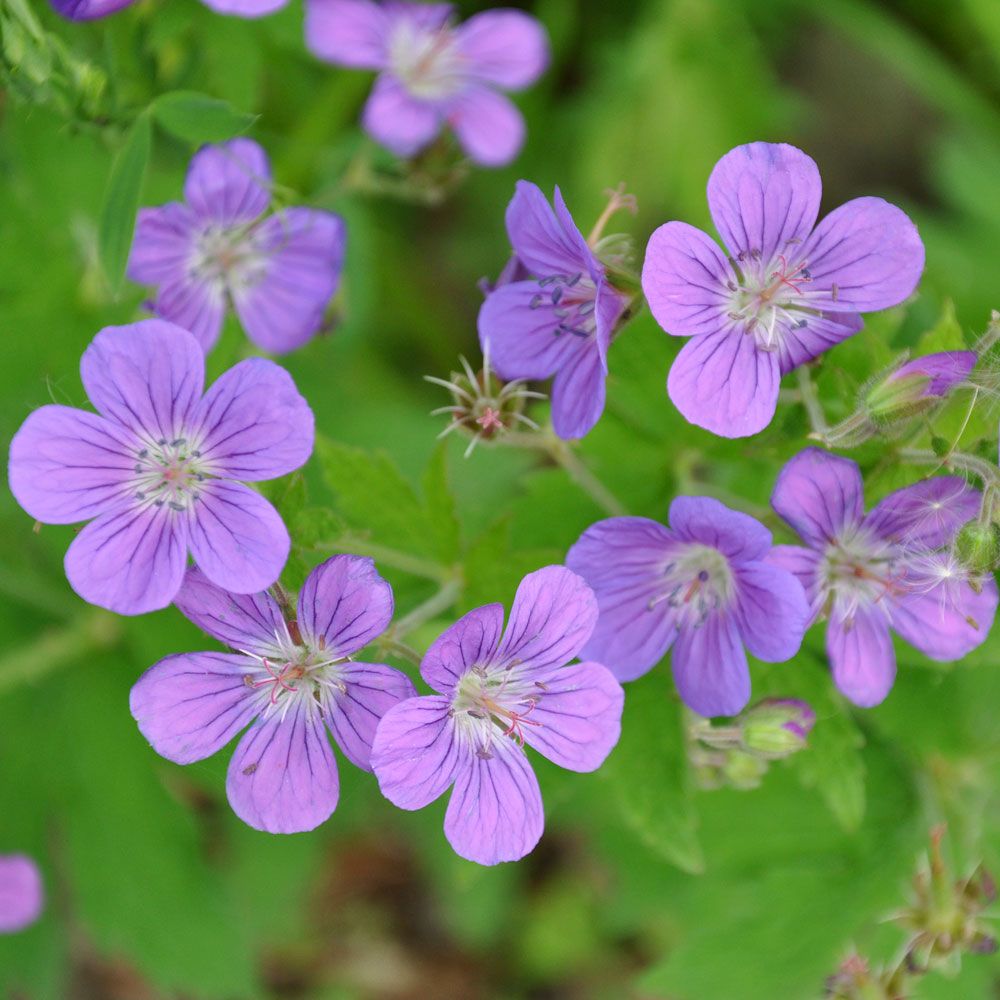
198,118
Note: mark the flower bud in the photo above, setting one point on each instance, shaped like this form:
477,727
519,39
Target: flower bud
977,546
915,386
776,727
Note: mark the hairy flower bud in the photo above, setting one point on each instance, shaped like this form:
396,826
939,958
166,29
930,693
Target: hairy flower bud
977,546
915,386
776,727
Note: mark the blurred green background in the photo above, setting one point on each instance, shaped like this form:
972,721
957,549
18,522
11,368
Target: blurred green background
641,886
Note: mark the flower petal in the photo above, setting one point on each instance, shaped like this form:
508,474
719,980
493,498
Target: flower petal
578,392
250,622
724,383
163,244
800,344
344,605
415,753
948,621
371,689
130,560
190,705
771,611
88,10
946,369
399,121
22,895
710,667
304,251
762,196
147,376
803,564
237,538
283,778
347,32
819,495
507,48
623,559
544,243
471,641
245,8
69,465
553,615
577,720
229,183
253,424
927,514
489,127
684,279
861,656
195,304
495,813
869,250
707,521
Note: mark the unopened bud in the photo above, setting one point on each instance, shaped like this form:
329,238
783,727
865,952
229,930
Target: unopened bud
916,385
776,727
977,546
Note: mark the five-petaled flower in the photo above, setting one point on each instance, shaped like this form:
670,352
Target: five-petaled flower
219,248
89,10
557,322
785,293
497,690
433,73
701,586
159,468
292,679
889,569
21,894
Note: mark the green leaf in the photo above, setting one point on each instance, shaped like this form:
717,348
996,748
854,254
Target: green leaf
121,201
440,503
198,118
945,335
649,770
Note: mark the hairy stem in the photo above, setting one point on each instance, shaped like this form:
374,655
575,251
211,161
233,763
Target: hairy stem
431,608
959,460
810,400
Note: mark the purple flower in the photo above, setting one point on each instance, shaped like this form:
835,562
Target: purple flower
219,249
559,322
433,73
158,468
785,293
701,586
292,680
497,690
89,10
21,894
939,373
889,569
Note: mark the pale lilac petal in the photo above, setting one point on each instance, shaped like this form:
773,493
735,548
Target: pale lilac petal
763,195
88,10
945,370
707,521
948,621
253,424
249,622
724,383
577,720
425,16
229,183
130,560
804,565
190,705
344,605
495,813
543,242
283,778
771,611
69,465
147,376
22,895
819,495
800,344
710,667
578,393
471,641
245,8
371,689
488,126
399,121
163,244
927,514
348,32
520,333
553,615
416,751
304,251
623,560
196,304
506,48
237,538
685,279
861,656
870,250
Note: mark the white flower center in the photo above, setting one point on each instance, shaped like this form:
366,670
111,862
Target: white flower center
697,580
494,701
227,259
426,61
859,571
169,472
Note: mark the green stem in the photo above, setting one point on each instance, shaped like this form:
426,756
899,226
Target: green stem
402,561
431,608
810,400
959,460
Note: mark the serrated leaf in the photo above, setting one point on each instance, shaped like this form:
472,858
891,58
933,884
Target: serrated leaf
121,201
198,118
